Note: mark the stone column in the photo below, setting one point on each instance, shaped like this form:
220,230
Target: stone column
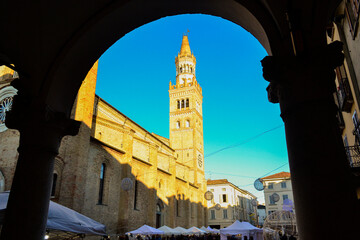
324,193
41,131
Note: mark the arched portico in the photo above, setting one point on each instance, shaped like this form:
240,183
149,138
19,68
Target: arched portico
55,53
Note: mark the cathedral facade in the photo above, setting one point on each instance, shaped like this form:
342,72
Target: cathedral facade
117,172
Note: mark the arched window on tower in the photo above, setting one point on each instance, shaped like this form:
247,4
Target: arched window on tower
187,123
178,124
178,104
181,69
101,183
187,102
183,103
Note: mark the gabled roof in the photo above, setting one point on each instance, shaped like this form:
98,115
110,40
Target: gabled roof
278,175
217,181
225,181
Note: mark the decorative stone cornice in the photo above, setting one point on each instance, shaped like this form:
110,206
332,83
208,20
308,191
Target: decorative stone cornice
178,92
185,113
300,81
40,126
112,125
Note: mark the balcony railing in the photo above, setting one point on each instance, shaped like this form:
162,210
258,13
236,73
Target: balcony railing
353,154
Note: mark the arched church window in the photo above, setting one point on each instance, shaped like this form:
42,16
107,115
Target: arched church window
187,123
178,124
187,102
158,208
101,184
183,103
181,69
136,194
177,202
178,104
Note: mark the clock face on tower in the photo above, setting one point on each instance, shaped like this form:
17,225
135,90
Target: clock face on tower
200,162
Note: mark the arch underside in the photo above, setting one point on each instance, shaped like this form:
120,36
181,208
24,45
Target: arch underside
57,62
54,49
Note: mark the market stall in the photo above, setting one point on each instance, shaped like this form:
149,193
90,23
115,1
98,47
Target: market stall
62,220
146,230
183,231
196,231
241,229
169,231
213,230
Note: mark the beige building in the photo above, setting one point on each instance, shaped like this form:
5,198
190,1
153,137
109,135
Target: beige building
166,175
229,203
278,192
344,28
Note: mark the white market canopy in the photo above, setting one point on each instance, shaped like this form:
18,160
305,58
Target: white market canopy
244,228
169,231
213,230
181,230
205,229
146,230
62,218
195,230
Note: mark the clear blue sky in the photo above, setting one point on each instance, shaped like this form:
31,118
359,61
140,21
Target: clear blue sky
134,77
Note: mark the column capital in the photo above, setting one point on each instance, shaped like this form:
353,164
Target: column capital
304,79
39,125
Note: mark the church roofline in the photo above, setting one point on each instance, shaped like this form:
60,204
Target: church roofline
106,145
149,133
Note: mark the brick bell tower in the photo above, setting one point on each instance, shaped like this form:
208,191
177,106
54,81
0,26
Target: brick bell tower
186,120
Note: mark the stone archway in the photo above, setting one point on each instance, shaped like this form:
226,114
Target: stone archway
86,44
53,56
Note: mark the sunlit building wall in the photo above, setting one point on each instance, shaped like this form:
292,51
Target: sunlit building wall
164,177
229,203
280,185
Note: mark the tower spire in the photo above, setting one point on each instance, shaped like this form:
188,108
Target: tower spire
185,46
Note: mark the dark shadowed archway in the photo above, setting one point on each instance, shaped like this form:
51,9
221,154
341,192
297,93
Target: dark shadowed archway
54,44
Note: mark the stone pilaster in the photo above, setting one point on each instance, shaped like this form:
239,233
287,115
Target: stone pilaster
126,197
41,131
151,183
320,173
172,207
